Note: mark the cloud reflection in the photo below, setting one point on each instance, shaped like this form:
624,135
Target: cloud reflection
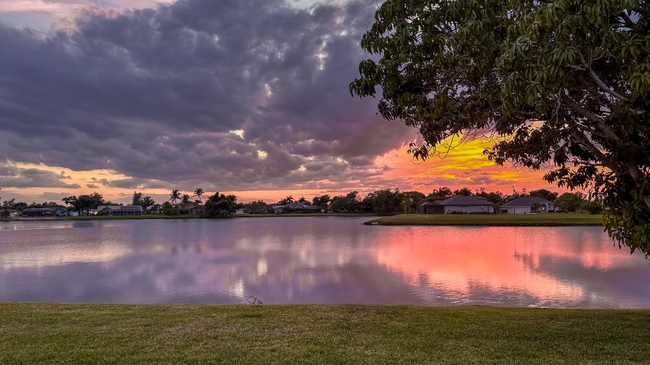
318,260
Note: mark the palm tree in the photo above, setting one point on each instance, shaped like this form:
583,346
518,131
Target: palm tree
174,197
186,201
197,193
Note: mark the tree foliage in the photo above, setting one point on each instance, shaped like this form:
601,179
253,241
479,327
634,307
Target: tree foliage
559,82
220,206
84,203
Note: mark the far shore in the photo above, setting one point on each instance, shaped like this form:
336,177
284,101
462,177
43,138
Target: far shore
503,220
180,216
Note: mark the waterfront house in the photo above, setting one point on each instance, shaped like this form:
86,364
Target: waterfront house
295,208
113,210
38,212
523,205
457,204
12,212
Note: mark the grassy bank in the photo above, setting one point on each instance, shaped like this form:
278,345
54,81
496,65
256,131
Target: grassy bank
334,334
550,219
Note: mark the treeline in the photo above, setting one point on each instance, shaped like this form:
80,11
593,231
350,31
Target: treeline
387,201
390,201
217,205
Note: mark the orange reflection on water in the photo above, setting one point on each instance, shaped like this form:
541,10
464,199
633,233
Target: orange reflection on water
499,259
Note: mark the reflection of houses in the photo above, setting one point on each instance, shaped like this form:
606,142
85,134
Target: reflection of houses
523,205
111,210
457,204
38,212
295,208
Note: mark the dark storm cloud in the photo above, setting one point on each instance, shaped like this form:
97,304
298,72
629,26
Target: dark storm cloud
164,94
12,176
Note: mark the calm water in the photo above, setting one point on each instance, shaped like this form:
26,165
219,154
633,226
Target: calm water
316,260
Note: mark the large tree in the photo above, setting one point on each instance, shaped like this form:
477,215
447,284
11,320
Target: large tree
563,83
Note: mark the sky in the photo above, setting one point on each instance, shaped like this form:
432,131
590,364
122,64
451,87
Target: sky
248,97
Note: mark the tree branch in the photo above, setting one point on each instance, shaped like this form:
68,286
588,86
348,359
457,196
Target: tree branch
600,82
600,123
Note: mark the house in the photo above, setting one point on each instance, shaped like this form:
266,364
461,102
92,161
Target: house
523,205
295,208
111,210
457,204
12,212
38,212
154,209
60,212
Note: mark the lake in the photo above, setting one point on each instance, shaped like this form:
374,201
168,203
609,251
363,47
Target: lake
281,260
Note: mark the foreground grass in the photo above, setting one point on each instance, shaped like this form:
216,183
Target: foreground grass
549,219
334,334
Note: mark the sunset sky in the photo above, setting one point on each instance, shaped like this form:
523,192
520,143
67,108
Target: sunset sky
248,97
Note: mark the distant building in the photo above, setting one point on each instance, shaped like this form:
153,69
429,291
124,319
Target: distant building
295,208
154,209
523,205
12,212
457,204
113,210
60,212
38,212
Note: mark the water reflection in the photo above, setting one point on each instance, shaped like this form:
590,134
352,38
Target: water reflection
316,260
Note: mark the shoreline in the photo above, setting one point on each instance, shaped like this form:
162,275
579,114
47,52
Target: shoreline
491,220
33,333
182,216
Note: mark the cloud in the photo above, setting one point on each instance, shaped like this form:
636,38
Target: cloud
15,177
242,95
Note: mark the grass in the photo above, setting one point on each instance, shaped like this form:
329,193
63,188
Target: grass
549,219
318,334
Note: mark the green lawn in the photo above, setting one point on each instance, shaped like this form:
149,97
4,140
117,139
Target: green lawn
549,219
318,334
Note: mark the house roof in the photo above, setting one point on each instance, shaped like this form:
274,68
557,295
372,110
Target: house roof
37,210
460,200
526,201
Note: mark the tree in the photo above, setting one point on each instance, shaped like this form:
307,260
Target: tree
544,194
534,206
143,201
197,193
569,202
463,191
321,201
175,196
287,200
185,200
82,203
257,207
302,200
220,206
567,81
439,194
4,213
167,208
386,201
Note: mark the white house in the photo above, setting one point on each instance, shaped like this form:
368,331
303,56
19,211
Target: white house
295,208
457,204
119,210
523,205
